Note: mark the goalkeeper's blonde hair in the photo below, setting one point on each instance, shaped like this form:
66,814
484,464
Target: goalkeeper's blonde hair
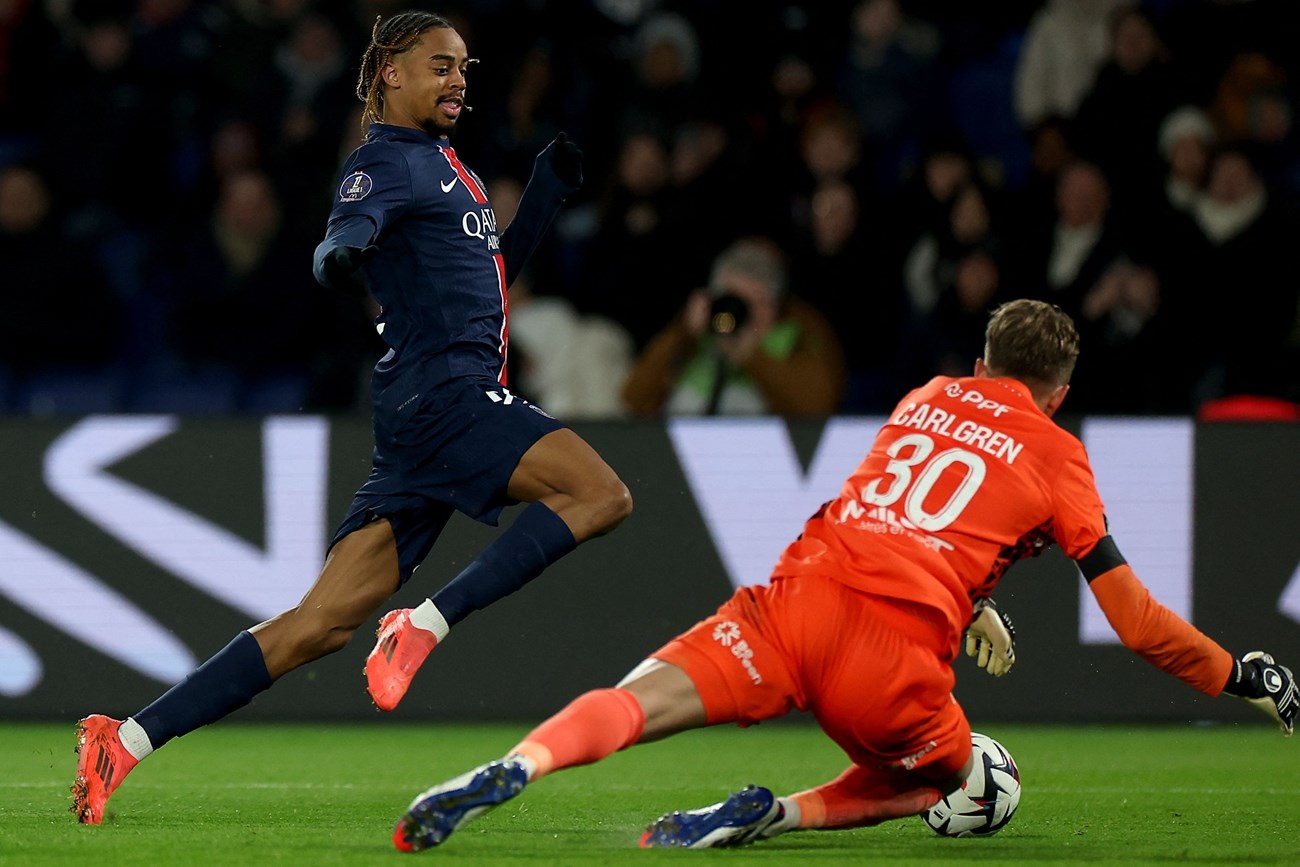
1032,341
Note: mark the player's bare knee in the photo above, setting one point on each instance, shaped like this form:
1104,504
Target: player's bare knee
613,505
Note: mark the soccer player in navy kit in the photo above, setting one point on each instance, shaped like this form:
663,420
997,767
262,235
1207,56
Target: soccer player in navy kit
412,224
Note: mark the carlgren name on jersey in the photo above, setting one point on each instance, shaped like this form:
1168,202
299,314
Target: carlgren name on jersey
924,417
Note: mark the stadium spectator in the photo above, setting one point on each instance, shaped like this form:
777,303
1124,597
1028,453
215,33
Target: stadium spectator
1066,257
952,276
1118,120
48,277
234,145
628,274
704,166
123,177
945,339
831,148
744,344
923,204
796,87
1255,105
932,262
836,267
1185,140
1163,235
238,297
1244,244
1065,44
665,85
302,109
889,80
172,44
1235,107
1131,329
250,32
1051,151
865,614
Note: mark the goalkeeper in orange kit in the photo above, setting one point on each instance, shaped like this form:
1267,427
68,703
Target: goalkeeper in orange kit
867,610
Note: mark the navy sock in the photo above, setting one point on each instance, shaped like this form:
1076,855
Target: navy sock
223,684
536,539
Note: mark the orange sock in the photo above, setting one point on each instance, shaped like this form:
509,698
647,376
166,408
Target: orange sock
593,726
860,797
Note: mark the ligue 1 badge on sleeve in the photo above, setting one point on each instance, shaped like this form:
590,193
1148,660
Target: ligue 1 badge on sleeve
355,187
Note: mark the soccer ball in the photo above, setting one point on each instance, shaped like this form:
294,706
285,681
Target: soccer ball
986,801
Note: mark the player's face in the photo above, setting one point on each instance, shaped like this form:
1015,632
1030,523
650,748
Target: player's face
426,85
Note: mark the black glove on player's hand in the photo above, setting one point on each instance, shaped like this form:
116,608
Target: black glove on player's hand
1268,686
565,159
342,265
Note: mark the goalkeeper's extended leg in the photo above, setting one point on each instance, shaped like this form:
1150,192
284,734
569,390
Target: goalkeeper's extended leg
860,797
856,798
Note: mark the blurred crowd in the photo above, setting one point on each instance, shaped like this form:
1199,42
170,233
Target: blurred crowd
869,178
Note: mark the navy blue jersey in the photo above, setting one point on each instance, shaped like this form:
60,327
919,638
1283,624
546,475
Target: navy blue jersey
442,266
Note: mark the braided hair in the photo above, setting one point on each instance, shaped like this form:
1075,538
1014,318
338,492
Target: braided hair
388,39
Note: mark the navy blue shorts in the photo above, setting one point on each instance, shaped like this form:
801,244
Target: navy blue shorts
450,449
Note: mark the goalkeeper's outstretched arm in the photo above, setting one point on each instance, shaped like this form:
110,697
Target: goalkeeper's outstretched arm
1173,645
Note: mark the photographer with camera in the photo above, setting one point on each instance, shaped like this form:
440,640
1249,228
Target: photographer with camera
742,346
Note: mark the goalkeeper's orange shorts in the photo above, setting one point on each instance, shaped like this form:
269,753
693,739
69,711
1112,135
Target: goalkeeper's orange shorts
874,672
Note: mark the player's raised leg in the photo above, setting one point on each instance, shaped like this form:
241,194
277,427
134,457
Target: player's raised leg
573,496
359,574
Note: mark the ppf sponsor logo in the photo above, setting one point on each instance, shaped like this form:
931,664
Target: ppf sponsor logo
727,633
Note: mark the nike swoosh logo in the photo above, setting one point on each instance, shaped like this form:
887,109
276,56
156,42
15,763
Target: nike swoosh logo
447,185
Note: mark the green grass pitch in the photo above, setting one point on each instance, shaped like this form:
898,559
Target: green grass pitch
322,795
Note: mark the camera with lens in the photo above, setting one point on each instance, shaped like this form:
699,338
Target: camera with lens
728,314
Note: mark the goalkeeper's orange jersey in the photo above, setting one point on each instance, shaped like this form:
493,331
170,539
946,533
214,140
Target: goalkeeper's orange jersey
966,477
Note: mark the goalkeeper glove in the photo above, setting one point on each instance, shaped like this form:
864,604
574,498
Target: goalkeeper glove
991,638
1268,686
341,267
